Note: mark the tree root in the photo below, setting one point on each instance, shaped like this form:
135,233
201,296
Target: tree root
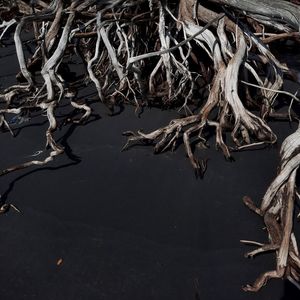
277,211
180,54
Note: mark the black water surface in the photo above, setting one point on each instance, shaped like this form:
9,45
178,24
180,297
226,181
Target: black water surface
130,225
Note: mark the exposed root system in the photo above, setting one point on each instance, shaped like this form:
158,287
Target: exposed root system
212,60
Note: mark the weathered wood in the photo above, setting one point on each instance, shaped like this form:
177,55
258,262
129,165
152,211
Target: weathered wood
278,10
200,57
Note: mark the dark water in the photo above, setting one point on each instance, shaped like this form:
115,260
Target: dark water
130,225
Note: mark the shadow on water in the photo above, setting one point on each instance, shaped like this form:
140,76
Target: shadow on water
120,107
18,130
63,141
291,292
67,150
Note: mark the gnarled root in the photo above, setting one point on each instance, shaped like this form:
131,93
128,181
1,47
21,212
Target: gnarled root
212,62
277,210
247,128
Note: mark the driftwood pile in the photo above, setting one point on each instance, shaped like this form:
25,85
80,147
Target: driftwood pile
212,60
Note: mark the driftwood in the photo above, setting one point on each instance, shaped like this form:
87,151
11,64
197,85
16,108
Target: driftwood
212,60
